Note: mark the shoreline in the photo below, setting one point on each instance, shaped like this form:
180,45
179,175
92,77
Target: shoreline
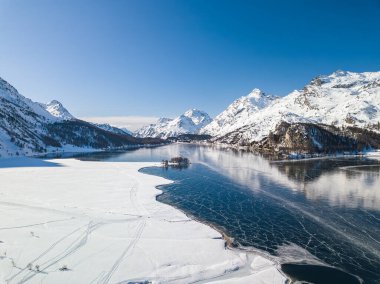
291,156
71,149
230,244
229,241
104,216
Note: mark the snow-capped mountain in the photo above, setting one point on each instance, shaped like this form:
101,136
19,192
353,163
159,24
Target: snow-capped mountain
28,127
191,122
56,109
340,99
158,129
113,129
311,138
9,97
22,122
341,108
238,113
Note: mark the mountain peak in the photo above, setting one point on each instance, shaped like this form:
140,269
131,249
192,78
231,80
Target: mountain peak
256,99
239,113
164,120
190,122
340,73
256,93
195,112
198,117
54,102
56,109
345,79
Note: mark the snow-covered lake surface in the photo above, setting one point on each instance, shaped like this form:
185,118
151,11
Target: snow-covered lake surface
71,221
320,211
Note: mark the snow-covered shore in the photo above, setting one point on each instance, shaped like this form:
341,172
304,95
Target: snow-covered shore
69,221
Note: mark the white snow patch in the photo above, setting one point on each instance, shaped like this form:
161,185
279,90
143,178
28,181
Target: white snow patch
68,221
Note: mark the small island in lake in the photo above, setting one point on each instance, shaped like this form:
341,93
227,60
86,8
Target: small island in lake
181,162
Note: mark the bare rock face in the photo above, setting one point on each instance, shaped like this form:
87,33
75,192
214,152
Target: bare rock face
306,138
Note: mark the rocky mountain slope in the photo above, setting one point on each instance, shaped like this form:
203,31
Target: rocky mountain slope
342,100
191,122
28,128
311,138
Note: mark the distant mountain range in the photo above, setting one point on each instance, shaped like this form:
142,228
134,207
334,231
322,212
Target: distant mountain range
113,129
191,122
28,128
337,112
342,104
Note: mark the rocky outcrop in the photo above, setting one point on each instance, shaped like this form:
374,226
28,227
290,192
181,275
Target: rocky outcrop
307,138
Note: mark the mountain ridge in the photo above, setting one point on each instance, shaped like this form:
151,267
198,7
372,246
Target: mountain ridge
342,99
30,128
342,106
190,122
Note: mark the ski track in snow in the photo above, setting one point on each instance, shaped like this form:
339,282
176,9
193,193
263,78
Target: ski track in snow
133,243
102,221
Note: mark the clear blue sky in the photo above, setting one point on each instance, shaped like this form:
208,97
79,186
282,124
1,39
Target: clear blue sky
159,58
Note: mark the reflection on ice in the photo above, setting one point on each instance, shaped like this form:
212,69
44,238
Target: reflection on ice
354,186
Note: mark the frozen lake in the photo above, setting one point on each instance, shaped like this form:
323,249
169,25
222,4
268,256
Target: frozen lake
315,212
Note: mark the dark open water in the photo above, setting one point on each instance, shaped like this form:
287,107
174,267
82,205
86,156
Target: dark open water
316,212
